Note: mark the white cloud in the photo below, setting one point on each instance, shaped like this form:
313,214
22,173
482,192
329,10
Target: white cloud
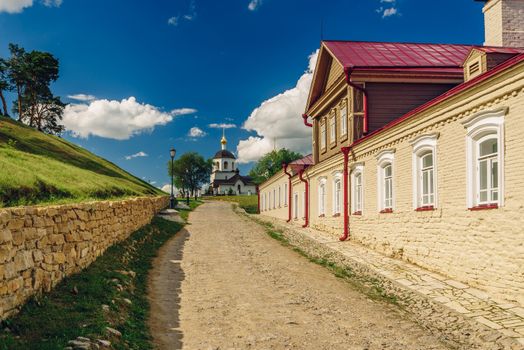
81,97
222,126
14,6
119,120
17,6
254,4
389,12
137,155
173,21
196,132
278,123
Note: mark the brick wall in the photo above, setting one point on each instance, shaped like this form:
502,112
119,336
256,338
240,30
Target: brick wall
39,246
504,23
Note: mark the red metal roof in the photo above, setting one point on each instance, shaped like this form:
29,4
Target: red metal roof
495,49
355,54
307,160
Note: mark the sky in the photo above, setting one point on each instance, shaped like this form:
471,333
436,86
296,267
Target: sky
141,77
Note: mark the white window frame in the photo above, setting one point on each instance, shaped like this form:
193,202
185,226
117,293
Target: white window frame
279,196
357,169
274,198
295,207
344,119
333,127
322,192
385,158
337,198
303,206
478,127
323,136
422,145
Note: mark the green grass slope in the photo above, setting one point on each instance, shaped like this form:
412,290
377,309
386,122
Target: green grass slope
36,168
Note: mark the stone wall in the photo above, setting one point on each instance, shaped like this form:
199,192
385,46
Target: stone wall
39,246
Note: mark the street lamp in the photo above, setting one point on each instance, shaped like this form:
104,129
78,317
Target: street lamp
172,153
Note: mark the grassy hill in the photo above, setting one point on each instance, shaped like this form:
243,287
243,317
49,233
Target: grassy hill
36,168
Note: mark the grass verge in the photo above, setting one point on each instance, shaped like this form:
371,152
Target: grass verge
75,307
364,284
248,203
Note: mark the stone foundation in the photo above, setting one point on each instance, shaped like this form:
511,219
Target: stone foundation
39,246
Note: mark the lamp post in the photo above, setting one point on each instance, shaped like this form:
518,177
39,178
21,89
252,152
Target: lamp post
172,153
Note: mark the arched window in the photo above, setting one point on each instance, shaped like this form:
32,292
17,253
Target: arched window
232,165
225,165
485,154
337,196
385,181
424,172
357,188
322,197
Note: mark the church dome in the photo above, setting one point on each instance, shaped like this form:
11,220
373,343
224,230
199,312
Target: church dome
224,154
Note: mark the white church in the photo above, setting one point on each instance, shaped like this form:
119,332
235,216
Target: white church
225,176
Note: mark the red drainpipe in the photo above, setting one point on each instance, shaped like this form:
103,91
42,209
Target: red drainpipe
345,152
347,71
306,209
284,165
258,194
305,116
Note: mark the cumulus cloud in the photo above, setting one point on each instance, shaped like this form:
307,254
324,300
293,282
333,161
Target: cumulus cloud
254,4
196,132
137,155
82,97
17,6
119,120
14,6
222,126
389,11
277,121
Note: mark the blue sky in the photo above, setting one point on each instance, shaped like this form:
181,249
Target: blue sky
222,59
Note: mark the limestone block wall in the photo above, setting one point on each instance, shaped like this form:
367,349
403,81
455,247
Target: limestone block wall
39,246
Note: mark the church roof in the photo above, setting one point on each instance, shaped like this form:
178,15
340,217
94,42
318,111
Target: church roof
224,154
231,181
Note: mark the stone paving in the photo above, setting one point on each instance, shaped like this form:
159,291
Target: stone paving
471,303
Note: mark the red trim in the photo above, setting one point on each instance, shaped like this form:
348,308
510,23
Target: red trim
425,208
306,184
357,213
305,116
450,93
386,211
484,207
345,152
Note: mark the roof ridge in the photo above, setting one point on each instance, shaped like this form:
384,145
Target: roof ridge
397,42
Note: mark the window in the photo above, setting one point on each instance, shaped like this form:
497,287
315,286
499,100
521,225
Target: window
274,198
333,128
485,155
337,193
424,172
323,140
285,195
279,197
269,201
295,205
303,204
344,119
264,202
385,181
232,165
322,197
225,165
357,196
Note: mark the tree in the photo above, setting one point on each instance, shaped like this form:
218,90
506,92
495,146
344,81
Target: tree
18,73
4,85
271,163
190,171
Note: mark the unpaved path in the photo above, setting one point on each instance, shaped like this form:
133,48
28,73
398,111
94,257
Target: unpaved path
224,284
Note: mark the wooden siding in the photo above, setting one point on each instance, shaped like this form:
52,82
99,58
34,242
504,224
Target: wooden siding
389,101
335,71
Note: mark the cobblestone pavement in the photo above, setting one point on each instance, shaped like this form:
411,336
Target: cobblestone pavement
472,304
223,283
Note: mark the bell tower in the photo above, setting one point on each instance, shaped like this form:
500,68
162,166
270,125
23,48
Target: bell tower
504,23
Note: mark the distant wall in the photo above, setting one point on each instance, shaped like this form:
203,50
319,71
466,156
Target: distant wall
39,246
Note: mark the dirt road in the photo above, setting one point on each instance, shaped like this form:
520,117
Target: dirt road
224,284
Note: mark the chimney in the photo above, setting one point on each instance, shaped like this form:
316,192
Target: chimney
504,23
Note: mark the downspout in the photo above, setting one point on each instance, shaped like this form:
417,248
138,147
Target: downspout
347,71
306,200
284,165
345,152
305,116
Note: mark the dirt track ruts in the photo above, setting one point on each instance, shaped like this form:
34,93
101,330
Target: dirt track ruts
223,283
